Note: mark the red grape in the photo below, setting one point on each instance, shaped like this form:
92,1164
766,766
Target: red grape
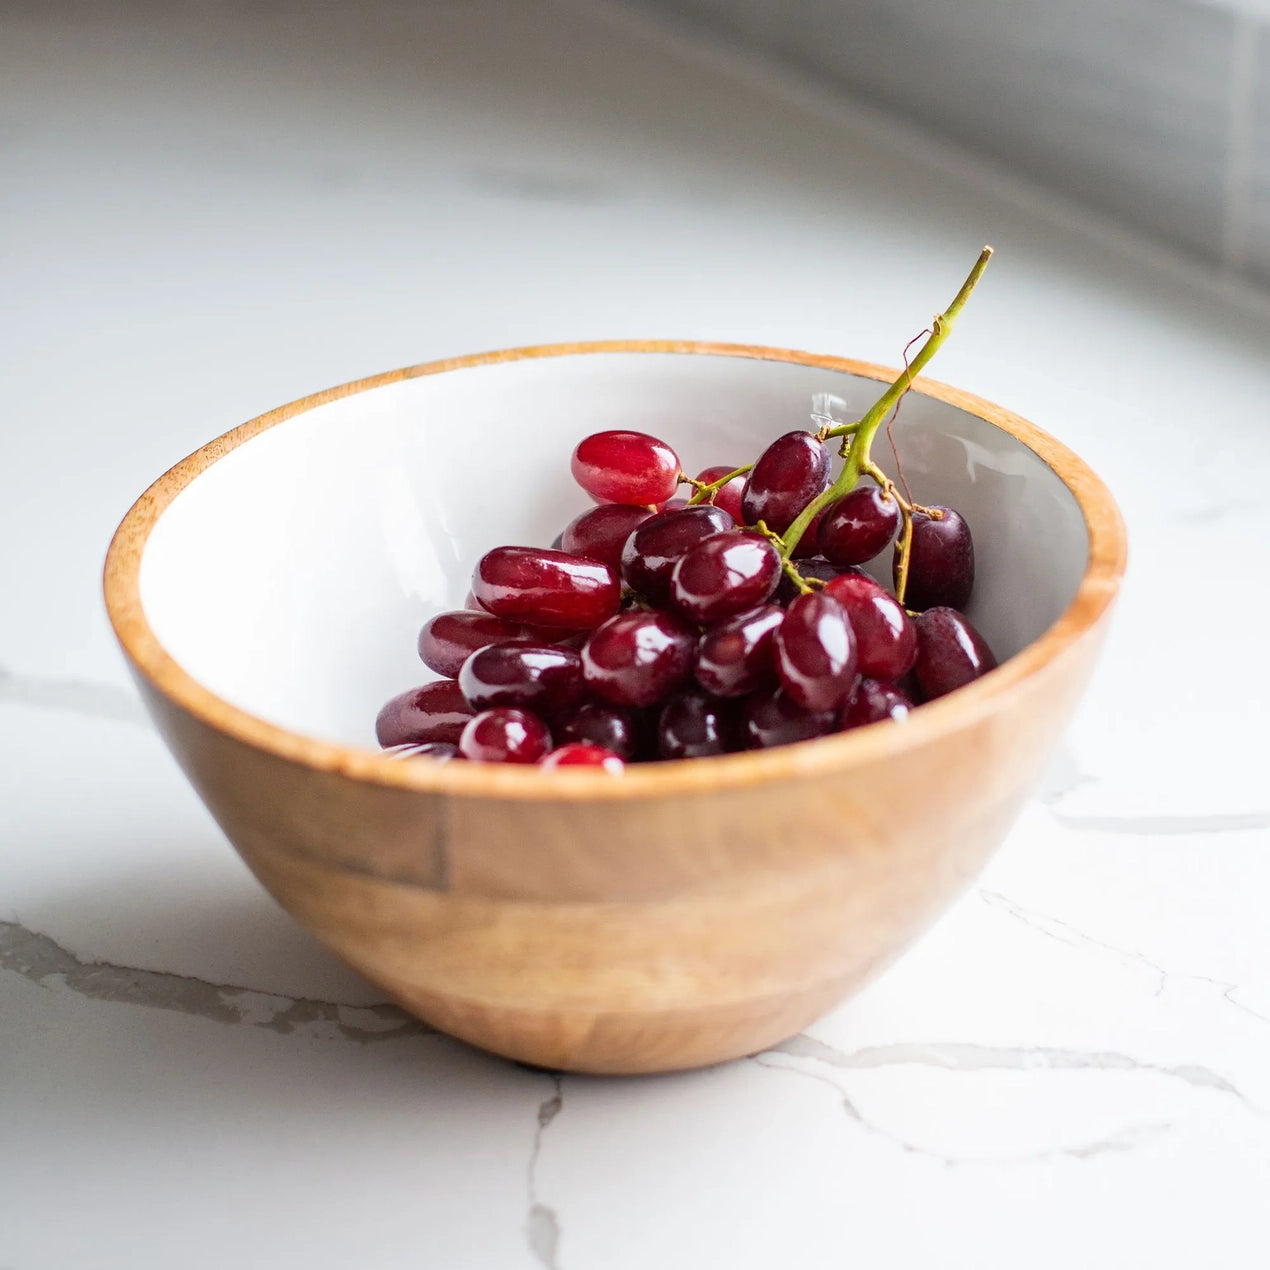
735,657
639,657
950,652
775,718
435,712
726,496
808,544
505,735
941,562
858,526
546,588
578,755
540,677
651,552
626,467
789,474
601,532
816,567
692,725
594,723
724,575
885,637
473,605
446,640
815,652
871,702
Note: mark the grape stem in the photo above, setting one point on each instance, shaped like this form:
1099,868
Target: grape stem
858,457
706,493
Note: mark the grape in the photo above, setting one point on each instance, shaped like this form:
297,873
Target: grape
435,712
447,640
540,677
950,652
726,496
578,755
816,567
637,658
601,532
808,544
941,563
815,652
593,723
692,725
735,657
473,605
651,552
724,575
626,467
672,505
871,702
885,637
505,735
546,588
789,474
858,526
438,751
775,718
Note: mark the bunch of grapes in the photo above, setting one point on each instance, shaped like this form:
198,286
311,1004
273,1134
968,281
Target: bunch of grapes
665,627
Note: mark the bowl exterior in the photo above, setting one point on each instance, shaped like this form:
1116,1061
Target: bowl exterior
643,935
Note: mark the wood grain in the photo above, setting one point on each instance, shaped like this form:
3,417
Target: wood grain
685,914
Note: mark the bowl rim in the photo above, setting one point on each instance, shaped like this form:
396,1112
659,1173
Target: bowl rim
825,755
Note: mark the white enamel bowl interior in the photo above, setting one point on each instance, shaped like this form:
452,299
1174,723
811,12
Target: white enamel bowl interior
291,577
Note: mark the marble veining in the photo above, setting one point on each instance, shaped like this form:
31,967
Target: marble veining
216,217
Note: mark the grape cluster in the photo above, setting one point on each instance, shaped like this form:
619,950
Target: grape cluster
659,627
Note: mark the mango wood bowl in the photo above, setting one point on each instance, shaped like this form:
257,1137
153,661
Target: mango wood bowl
268,590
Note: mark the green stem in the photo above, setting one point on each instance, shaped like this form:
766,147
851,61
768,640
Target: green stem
707,492
859,458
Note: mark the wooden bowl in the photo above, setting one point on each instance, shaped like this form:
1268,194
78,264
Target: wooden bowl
267,592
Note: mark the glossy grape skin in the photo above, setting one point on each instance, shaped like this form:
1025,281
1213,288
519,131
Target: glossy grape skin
859,525
625,467
437,751
774,718
576,754
652,551
950,652
726,496
505,735
546,588
435,712
815,652
941,563
544,678
788,475
448,639
595,723
692,725
473,605
885,637
735,656
601,532
872,701
639,657
723,575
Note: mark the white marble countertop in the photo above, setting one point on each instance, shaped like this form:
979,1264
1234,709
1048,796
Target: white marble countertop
204,217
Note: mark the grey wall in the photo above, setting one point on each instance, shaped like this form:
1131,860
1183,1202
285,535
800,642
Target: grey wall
1156,111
